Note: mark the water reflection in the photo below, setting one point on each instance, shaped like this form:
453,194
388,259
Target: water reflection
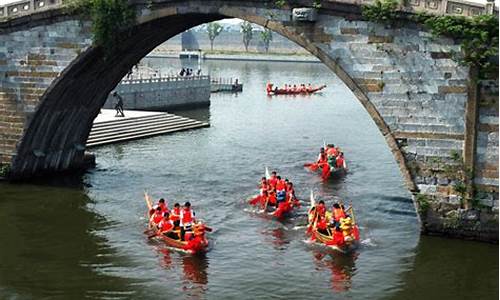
342,268
52,249
194,277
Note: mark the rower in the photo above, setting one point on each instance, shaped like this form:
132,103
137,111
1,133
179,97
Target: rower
320,208
322,226
187,219
330,150
264,198
166,226
162,204
175,215
338,213
340,161
294,88
269,87
263,185
271,198
309,87
156,217
321,157
292,199
273,180
302,88
280,184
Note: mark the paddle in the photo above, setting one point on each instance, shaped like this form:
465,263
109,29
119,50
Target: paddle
311,166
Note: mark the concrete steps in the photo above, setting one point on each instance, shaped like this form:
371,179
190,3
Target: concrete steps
132,128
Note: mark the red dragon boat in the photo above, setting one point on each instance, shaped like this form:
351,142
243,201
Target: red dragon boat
344,240
284,209
329,167
290,91
196,245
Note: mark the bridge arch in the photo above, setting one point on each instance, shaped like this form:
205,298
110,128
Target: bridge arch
54,136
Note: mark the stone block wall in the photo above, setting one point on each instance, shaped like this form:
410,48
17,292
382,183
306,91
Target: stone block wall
31,58
486,169
163,93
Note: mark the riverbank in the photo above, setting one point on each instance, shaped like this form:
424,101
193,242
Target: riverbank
243,56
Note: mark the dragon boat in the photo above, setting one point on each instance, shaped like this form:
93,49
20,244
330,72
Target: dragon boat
197,243
284,208
344,239
328,168
298,91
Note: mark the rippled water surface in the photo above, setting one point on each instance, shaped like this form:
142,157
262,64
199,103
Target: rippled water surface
73,242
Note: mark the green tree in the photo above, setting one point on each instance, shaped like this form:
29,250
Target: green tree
213,30
247,31
266,36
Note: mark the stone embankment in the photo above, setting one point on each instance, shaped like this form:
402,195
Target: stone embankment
163,93
108,129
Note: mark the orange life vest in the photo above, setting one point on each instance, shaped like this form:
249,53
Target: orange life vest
176,214
157,217
340,162
187,216
273,181
163,206
165,225
322,158
321,224
331,151
280,185
320,210
338,213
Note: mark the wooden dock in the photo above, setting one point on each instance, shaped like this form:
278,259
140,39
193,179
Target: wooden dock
108,129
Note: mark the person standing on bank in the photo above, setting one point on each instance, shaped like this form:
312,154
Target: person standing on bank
119,105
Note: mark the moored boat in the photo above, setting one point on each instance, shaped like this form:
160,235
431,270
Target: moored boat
195,243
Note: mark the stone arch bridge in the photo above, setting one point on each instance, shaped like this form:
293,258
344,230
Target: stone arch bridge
53,83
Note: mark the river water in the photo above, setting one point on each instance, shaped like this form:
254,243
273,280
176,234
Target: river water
83,238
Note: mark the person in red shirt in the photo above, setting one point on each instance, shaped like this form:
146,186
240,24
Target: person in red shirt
280,184
330,150
337,214
292,199
175,215
322,226
272,201
264,199
162,204
273,180
263,186
187,219
321,208
156,217
321,157
340,161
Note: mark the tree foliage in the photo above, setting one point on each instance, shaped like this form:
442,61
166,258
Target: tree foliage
266,36
110,19
247,31
213,30
478,35
381,11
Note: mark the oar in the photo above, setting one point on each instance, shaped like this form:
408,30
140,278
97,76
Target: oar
148,200
267,173
352,214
